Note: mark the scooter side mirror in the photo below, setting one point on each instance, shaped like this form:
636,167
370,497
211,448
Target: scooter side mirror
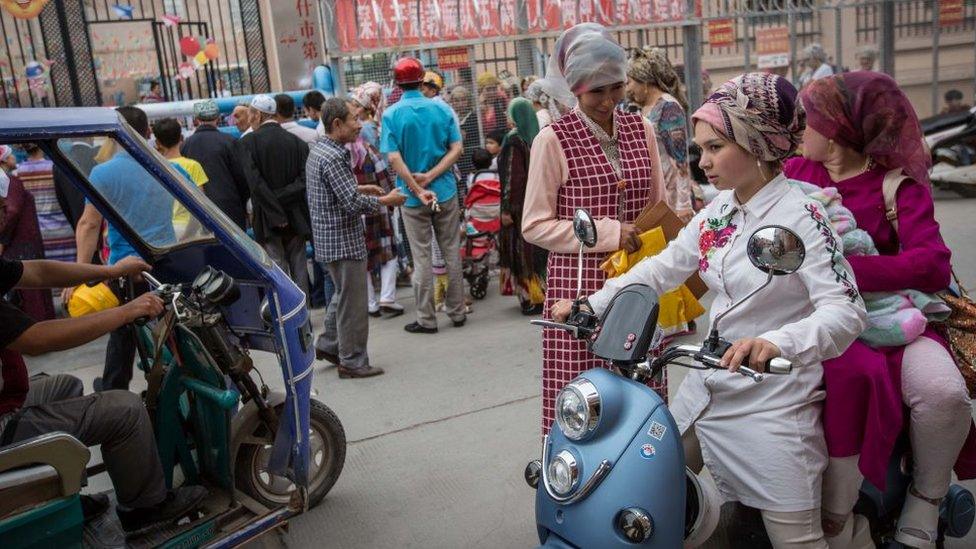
776,250
773,250
585,228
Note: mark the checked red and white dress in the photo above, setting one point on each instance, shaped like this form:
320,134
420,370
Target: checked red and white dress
575,164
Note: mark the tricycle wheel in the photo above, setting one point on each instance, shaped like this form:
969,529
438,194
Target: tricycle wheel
327,449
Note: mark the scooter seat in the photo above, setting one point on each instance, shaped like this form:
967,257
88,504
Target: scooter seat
40,469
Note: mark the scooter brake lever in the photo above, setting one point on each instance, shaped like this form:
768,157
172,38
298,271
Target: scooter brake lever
749,372
558,325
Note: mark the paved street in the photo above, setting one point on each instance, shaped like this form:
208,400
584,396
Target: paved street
438,444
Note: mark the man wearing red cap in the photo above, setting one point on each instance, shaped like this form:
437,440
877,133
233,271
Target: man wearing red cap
422,143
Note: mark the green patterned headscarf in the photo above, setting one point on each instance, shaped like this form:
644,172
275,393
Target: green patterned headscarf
522,113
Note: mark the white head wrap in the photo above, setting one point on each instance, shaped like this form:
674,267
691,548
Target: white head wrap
586,57
4,184
541,92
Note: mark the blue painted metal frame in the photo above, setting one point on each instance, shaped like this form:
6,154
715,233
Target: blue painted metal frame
290,335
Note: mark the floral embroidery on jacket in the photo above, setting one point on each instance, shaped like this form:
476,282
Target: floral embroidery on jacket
840,273
717,234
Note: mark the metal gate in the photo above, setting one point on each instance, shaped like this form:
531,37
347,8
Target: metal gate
95,52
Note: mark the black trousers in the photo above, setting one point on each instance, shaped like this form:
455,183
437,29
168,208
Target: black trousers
121,349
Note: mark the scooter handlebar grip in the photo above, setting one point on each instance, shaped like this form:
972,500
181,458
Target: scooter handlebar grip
779,366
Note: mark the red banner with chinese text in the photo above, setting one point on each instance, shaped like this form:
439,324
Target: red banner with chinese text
721,33
950,13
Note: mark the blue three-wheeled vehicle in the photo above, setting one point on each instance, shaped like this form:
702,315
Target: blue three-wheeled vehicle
264,455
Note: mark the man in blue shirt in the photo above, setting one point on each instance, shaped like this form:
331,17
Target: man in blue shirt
422,143
147,208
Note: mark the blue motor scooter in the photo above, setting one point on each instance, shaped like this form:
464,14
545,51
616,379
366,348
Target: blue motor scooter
613,472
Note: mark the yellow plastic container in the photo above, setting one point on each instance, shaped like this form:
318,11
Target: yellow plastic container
91,299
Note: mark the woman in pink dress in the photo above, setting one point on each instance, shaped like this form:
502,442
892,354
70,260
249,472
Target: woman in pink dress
595,157
860,126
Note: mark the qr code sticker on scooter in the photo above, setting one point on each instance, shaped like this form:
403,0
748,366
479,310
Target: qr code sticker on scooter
657,430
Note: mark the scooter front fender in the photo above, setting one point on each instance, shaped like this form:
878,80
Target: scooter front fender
638,436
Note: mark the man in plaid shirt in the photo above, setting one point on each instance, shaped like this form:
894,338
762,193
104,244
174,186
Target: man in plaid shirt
337,205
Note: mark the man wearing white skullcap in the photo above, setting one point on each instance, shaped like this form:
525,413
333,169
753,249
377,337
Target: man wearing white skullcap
594,157
273,161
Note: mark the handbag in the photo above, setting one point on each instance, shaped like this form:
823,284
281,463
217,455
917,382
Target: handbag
960,327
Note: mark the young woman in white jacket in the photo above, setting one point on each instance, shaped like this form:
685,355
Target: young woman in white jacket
763,443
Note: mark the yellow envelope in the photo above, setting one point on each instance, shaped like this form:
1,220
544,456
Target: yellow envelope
678,306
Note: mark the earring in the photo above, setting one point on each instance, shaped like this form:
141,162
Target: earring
830,146
762,172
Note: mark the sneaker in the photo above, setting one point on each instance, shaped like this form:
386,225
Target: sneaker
369,371
376,313
178,503
459,323
417,328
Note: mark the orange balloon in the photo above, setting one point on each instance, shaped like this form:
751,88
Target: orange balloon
24,9
211,51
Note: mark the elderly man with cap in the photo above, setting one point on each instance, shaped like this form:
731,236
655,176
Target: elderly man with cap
274,165
594,157
217,153
422,142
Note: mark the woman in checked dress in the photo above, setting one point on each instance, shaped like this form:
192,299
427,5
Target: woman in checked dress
595,157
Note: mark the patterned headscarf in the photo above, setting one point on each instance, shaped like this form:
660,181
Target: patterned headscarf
370,97
651,66
867,111
758,111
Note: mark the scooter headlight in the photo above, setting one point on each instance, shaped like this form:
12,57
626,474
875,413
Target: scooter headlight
563,473
578,409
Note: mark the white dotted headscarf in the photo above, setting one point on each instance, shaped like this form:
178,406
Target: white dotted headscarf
585,57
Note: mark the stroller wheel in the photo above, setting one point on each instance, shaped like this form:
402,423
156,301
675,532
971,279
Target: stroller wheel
479,289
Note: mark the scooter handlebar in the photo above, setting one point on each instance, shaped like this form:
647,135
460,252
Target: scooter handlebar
776,366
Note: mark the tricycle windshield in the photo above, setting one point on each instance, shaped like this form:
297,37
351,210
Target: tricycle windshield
140,199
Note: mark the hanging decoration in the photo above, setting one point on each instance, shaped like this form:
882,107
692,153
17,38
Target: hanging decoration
23,9
186,70
170,20
189,46
211,50
200,59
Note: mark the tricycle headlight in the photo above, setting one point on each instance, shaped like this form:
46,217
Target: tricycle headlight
563,473
578,409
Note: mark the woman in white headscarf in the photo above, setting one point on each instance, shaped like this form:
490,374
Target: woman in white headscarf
547,109
594,157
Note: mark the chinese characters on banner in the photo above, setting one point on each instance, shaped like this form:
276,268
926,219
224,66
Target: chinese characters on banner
773,47
299,40
721,33
366,24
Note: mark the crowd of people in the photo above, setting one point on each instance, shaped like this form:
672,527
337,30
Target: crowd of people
371,186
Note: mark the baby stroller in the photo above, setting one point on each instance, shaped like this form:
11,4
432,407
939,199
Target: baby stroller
482,208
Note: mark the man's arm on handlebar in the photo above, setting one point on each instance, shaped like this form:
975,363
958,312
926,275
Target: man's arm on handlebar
67,333
43,273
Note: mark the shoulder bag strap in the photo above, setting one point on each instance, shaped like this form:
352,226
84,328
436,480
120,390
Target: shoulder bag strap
889,188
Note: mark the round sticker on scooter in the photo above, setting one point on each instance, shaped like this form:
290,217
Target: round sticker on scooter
647,451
